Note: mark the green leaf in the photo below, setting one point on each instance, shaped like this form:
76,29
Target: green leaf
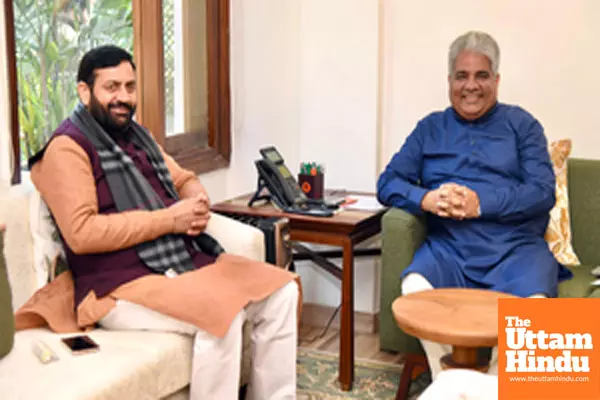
52,53
52,36
113,4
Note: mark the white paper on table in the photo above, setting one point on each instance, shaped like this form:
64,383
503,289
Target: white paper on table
363,203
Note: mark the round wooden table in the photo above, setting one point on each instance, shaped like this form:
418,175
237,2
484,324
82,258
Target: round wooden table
467,319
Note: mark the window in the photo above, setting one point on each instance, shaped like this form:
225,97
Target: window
200,135
181,48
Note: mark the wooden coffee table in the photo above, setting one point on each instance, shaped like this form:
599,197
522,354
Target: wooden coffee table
467,319
345,229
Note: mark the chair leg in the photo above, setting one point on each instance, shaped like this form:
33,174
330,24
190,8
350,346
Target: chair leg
414,365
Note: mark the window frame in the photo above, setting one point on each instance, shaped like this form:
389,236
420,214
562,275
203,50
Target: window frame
13,96
148,53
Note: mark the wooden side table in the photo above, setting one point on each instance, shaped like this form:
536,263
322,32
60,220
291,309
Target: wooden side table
467,319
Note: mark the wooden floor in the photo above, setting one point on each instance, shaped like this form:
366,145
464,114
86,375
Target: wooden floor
366,346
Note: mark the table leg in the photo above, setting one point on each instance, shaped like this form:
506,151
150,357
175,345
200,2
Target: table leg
346,367
464,357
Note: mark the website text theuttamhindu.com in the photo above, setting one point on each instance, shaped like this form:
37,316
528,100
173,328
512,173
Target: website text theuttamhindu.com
543,378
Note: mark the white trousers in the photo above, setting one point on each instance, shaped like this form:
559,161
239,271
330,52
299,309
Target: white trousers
216,362
415,283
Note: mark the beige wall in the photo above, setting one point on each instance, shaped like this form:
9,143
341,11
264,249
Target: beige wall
305,79
549,59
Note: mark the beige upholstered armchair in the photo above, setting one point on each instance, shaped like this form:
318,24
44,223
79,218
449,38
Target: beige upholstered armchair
142,364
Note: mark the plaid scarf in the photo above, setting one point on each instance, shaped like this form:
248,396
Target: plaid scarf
132,191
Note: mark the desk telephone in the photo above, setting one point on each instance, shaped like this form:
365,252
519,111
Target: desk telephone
283,189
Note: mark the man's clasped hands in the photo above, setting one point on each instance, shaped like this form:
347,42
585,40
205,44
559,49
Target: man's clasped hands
452,200
191,215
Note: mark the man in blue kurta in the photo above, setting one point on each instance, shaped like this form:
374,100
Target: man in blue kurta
481,172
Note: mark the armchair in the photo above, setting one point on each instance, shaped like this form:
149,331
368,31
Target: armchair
143,364
403,233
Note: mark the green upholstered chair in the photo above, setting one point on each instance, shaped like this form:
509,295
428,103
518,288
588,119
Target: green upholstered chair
7,321
403,233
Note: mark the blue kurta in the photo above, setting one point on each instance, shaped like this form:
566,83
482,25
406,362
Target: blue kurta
503,157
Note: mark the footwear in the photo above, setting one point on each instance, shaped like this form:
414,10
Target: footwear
418,385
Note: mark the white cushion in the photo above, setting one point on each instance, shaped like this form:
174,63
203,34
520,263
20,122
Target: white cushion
46,241
18,245
236,237
130,365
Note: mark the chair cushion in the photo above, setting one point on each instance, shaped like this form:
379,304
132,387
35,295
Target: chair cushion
558,235
129,365
18,244
7,321
47,244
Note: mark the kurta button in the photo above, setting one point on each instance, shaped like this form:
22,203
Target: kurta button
472,142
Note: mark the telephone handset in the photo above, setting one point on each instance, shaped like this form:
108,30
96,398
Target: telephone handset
284,191
280,181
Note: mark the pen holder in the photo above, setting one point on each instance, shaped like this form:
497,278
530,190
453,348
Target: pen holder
311,185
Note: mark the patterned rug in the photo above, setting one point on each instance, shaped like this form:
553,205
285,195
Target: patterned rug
318,373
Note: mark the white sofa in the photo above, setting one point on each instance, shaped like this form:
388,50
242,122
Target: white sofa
130,365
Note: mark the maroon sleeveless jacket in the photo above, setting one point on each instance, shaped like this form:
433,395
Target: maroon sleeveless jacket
104,272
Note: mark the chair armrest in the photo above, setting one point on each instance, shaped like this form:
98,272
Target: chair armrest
403,233
7,324
236,237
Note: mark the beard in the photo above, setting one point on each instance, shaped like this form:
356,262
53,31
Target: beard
103,115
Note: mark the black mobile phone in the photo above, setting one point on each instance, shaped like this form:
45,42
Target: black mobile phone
80,344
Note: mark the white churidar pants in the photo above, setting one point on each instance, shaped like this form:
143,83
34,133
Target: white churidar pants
216,361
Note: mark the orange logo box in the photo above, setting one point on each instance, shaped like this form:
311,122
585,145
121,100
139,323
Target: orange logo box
548,349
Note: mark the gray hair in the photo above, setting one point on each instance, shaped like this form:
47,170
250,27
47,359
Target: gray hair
477,42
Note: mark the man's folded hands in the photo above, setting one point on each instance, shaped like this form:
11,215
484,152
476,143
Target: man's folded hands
190,215
452,200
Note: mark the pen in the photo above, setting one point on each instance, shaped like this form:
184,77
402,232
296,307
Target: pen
311,168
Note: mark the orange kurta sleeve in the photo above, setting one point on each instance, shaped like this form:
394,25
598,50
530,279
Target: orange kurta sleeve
65,180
